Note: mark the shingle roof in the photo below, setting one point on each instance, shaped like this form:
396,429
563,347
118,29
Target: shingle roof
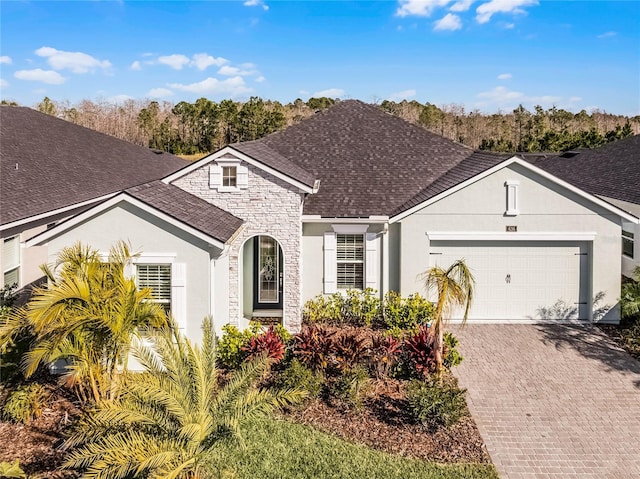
369,162
466,169
47,163
612,170
188,209
261,152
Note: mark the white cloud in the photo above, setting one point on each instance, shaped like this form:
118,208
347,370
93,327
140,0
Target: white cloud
488,9
329,93
256,3
402,95
419,8
116,99
608,34
45,76
77,62
246,69
232,86
202,61
461,5
177,62
260,79
503,98
504,76
448,22
5,59
509,26
159,93
4,83
135,66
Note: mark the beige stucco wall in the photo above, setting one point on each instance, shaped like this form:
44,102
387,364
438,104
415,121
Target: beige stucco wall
148,235
30,258
543,207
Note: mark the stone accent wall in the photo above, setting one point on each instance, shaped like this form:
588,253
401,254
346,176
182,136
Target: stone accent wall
269,206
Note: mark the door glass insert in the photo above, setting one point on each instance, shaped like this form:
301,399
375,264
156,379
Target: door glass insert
268,273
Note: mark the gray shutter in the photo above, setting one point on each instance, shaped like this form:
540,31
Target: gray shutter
242,173
179,294
215,176
330,263
371,261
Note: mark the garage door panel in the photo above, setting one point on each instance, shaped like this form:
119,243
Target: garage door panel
514,280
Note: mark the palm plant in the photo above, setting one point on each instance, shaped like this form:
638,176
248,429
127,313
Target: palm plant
87,316
175,415
453,287
630,297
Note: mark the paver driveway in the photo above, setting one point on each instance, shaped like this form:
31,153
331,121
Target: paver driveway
553,401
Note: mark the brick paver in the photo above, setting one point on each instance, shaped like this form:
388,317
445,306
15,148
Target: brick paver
552,401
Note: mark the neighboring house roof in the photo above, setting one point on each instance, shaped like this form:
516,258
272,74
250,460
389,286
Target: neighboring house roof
47,164
369,162
611,171
187,209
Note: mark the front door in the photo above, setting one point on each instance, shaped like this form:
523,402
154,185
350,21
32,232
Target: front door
267,260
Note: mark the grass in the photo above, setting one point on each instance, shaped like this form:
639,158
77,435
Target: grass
279,449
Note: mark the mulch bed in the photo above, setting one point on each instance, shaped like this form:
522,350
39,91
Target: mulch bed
617,333
385,424
36,444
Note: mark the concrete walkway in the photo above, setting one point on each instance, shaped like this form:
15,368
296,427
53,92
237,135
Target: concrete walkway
553,401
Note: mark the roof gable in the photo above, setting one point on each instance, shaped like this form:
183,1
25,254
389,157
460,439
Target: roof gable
47,164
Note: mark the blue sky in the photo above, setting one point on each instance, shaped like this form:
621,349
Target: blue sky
484,54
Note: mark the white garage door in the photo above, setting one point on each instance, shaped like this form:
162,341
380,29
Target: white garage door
521,280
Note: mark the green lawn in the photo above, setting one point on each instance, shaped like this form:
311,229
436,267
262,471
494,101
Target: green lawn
278,449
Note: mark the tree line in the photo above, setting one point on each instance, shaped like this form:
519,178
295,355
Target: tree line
205,125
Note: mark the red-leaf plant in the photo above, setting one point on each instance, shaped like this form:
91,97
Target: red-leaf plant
268,342
348,350
421,353
313,347
384,354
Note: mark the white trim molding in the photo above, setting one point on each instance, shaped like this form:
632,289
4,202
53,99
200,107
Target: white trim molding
518,161
513,204
503,236
350,229
371,220
228,150
122,197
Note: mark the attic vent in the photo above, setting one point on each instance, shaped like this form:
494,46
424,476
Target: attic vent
157,152
569,154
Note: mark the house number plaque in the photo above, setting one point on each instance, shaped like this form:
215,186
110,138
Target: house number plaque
512,229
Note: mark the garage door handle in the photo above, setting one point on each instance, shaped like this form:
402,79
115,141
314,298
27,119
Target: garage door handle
508,279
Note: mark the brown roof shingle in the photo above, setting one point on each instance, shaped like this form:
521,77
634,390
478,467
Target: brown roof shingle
369,161
188,209
612,170
47,163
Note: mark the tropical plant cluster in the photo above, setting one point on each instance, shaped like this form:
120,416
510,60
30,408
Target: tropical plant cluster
205,125
630,309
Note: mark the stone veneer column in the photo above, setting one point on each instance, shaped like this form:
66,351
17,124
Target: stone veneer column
268,206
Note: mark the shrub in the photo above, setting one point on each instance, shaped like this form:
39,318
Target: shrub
26,403
351,386
230,351
630,297
435,404
384,354
348,350
357,308
268,342
452,356
12,470
419,349
406,313
298,376
313,347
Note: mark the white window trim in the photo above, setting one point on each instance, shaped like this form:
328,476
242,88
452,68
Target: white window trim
15,266
216,179
512,187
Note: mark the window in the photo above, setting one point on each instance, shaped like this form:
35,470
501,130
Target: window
229,176
11,261
627,243
156,277
350,258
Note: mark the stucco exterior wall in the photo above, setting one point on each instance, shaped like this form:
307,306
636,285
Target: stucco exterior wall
149,235
269,206
543,207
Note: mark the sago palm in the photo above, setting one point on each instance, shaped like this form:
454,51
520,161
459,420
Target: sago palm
87,314
172,416
453,287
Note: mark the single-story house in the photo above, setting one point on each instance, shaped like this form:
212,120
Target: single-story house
50,170
356,198
611,172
